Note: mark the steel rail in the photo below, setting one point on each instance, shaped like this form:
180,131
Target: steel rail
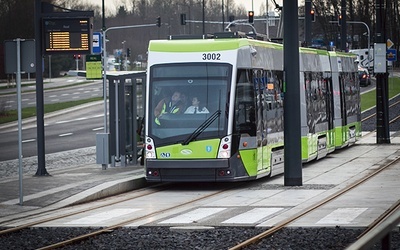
34,223
382,231
311,208
374,114
381,219
116,226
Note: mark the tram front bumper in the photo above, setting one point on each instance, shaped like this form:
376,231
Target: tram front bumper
188,170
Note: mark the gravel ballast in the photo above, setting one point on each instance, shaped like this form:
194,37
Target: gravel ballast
164,238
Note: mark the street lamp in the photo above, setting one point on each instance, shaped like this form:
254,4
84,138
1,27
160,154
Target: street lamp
368,33
123,51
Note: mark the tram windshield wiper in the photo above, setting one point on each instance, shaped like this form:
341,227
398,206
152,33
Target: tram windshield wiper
202,127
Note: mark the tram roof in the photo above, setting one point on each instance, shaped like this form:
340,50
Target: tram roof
218,44
208,44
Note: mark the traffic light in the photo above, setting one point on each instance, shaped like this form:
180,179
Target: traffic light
312,16
183,19
251,16
158,22
77,57
340,20
128,52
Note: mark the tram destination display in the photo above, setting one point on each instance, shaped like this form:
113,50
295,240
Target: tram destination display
67,35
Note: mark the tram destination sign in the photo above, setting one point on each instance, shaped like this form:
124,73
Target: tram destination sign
72,35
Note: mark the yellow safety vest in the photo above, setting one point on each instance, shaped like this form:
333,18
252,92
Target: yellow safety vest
173,110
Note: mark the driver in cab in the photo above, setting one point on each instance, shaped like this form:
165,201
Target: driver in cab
173,105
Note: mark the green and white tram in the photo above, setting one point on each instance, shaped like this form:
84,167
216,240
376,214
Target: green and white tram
237,132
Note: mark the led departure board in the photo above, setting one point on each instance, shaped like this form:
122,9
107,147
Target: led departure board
67,35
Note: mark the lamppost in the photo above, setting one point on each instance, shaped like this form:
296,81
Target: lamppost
223,16
123,51
204,17
368,34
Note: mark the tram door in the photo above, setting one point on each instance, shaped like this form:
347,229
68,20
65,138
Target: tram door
245,113
329,107
259,81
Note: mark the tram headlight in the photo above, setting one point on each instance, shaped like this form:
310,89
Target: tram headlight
225,148
150,155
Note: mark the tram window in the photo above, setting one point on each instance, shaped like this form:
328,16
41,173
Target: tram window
244,103
206,81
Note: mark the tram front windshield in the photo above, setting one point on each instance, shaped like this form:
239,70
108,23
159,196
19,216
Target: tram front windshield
185,98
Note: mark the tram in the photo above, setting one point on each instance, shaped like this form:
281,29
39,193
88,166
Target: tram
237,85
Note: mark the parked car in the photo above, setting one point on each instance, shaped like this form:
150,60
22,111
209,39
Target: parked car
364,76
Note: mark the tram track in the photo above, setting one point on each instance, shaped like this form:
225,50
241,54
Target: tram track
244,244
279,226
136,194
116,226
89,236
126,222
141,193
374,114
394,117
381,218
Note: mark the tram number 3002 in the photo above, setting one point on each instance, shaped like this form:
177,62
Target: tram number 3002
211,56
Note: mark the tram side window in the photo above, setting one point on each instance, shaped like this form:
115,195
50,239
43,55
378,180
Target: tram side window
352,94
273,98
244,105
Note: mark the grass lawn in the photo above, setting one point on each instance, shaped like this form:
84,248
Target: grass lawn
368,100
12,115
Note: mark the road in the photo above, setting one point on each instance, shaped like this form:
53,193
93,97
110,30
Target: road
72,130
56,91
65,130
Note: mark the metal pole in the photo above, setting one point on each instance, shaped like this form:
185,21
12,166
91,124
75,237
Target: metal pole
307,20
41,170
292,119
369,35
117,153
223,16
18,79
49,68
267,17
105,63
343,30
103,15
382,99
204,17
123,51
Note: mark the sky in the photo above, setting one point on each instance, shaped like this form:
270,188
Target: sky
248,4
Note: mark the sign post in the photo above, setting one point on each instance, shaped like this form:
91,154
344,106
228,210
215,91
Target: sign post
97,43
391,55
93,67
19,57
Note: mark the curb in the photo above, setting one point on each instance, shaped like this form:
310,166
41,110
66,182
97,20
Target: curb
105,190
